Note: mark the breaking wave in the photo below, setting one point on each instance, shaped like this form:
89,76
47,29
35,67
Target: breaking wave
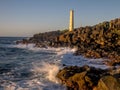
26,67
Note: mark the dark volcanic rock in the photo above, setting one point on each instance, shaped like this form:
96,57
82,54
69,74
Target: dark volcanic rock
43,39
98,41
89,78
108,83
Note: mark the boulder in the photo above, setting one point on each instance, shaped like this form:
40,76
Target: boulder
80,78
108,83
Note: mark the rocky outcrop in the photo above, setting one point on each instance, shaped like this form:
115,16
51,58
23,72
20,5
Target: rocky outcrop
89,78
98,41
108,83
43,39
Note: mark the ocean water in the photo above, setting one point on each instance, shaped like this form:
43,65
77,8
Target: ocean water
25,67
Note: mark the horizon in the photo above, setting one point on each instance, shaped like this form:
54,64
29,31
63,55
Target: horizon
25,18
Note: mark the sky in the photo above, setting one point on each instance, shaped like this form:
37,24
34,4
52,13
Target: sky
28,17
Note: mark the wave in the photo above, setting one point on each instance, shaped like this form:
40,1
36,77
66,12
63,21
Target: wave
24,46
49,70
66,56
43,78
70,59
44,70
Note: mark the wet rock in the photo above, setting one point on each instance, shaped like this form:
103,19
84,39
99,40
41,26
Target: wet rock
92,54
108,83
89,78
99,41
80,78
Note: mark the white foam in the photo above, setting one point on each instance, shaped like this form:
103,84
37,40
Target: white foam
50,70
33,47
24,85
65,55
66,50
45,70
70,59
24,46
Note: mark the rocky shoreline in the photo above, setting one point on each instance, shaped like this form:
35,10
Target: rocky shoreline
98,41
89,78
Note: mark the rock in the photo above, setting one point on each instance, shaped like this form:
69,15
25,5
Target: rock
80,78
89,78
108,83
98,41
92,54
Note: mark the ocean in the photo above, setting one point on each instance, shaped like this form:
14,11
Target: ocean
26,67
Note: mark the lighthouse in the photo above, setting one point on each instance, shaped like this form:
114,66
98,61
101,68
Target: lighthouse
71,22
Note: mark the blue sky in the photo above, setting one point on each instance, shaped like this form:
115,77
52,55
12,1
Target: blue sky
27,17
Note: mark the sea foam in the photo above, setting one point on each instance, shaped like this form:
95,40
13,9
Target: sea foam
49,70
45,70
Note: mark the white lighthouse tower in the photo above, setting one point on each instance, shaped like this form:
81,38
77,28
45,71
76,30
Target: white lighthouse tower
71,22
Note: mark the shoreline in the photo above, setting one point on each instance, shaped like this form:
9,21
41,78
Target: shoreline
89,78
99,41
